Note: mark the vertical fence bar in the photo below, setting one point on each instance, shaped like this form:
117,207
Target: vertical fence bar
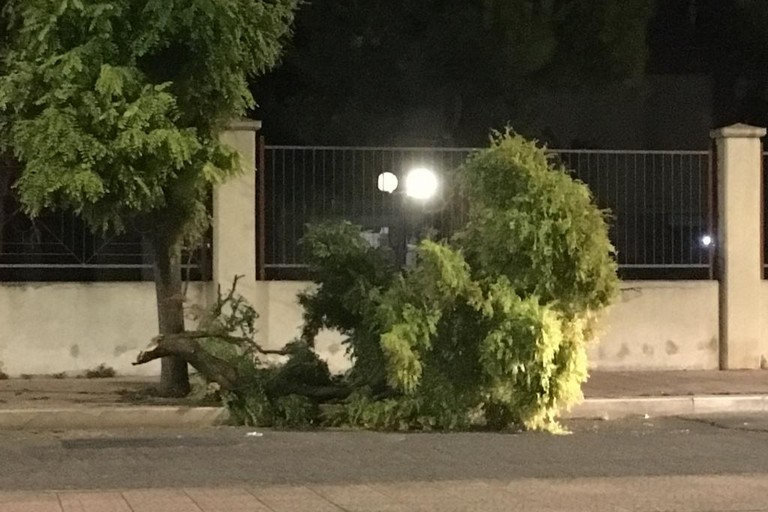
283,247
645,208
712,207
635,220
692,231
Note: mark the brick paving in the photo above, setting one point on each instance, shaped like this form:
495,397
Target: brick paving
673,494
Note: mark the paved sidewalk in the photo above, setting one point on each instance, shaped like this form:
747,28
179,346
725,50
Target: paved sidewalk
43,403
676,383
46,392
681,493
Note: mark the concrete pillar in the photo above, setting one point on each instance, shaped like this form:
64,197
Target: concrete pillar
234,227
739,166
234,211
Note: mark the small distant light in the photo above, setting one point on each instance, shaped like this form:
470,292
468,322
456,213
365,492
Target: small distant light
387,182
421,183
706,240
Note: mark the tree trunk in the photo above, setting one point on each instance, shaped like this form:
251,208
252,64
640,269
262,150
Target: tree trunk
6,180
174,377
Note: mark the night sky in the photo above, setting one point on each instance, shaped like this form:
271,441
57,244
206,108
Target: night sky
719,39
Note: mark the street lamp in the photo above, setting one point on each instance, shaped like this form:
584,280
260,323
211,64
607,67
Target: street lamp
387,182
421,183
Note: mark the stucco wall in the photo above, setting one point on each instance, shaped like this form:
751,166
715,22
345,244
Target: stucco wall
280,319
49,328
764,325
660,325
53,327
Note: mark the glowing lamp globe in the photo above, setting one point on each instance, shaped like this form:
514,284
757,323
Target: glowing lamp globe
421,183
387,182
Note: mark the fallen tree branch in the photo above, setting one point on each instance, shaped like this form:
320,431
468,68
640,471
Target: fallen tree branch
214,369
185,346
194,335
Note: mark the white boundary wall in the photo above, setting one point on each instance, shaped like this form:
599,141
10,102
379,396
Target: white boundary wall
48,328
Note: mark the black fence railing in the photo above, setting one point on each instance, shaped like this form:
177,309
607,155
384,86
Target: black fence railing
59,246
307,185
660,202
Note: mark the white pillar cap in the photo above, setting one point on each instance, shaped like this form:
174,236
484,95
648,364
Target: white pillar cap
244,125
738,130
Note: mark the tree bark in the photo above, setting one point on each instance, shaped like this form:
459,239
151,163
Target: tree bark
6,180
174,377
214,369
187,349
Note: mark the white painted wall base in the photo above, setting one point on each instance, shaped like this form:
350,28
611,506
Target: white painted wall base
53,327
660,325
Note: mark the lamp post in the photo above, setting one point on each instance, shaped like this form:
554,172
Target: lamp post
421,185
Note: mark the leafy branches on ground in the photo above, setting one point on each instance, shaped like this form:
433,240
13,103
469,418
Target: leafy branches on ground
491,326
488,329
236,369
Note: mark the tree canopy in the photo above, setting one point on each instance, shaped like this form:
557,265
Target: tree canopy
114,110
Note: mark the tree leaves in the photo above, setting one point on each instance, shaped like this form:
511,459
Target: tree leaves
114,108
496,319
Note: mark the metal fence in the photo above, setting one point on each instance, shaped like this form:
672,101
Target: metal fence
661,201
59,246
306,185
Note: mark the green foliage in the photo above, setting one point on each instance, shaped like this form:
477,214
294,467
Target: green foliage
349,276
437,406
266,393
114,108
265,398
489,328
295,411
303,367
492,324
347,271
556,242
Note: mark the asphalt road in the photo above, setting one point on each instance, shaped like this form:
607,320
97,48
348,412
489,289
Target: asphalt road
140,458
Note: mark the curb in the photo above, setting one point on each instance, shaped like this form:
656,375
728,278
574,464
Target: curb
615,408
110,417
164,416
